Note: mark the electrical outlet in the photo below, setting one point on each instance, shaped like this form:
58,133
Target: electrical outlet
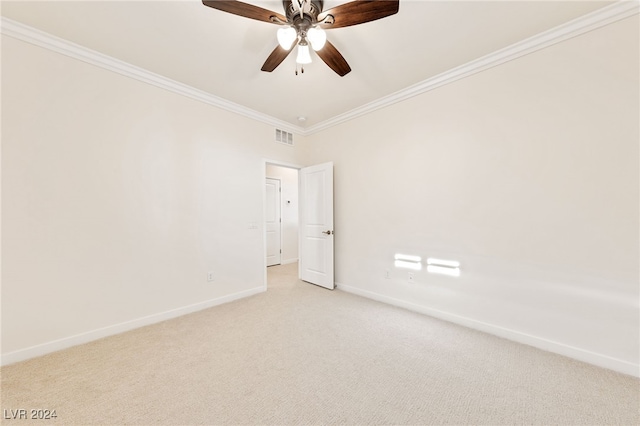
209,276
387,274
411,276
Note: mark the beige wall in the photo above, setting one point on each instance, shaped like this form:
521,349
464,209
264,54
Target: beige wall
527,174
118,198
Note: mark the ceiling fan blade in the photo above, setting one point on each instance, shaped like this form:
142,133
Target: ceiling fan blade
330,55
277,56
246,10
359,12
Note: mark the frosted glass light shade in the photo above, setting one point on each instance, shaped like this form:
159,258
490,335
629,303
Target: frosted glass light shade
303,55
286,37
317,37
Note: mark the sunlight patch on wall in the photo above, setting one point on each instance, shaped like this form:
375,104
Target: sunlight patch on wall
408,261
443,267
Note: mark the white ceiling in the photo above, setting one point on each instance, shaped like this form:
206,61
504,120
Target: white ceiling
221,54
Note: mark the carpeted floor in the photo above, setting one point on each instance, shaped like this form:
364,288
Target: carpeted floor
300,354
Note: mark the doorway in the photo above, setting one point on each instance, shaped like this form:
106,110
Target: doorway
281,214
306,207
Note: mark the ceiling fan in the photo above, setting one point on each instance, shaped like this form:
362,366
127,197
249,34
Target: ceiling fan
304,24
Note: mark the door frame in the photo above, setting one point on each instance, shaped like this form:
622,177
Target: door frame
265,162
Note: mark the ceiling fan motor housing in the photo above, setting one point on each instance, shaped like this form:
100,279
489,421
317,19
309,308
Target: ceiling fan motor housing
311,10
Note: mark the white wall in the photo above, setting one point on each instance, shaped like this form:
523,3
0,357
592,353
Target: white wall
118,197
289,210
527,174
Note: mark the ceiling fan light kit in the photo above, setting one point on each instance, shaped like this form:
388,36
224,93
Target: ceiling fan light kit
286,37
304,24
303,54
317,37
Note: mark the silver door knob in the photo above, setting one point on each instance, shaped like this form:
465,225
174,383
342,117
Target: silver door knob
327,232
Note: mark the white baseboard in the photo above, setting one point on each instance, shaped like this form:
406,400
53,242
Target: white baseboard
288,261
78,339
589,357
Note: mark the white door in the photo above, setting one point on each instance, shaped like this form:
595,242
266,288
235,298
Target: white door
316,225
273,222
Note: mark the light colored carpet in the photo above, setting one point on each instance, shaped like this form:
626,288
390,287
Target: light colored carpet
300,354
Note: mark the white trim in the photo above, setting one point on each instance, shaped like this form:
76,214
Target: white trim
573,28
78,339
39,38
591,21
288,261
281,164
600,360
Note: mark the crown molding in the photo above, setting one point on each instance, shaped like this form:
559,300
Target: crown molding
591,21
39,38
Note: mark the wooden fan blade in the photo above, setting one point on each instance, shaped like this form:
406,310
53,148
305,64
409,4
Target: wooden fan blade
330,55
359,12
244,9
277,56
